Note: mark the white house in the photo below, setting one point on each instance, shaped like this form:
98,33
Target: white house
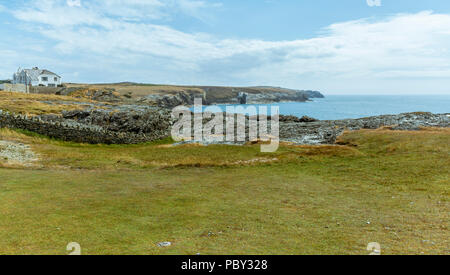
36,77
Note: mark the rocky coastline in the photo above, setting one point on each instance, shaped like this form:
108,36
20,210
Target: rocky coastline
131,124
104,116
326,132
235,96
172,96
310,131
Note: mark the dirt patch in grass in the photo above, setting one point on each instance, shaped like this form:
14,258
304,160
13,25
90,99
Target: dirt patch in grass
327,150
14,154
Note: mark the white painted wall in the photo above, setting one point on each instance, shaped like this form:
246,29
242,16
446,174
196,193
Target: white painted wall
48,80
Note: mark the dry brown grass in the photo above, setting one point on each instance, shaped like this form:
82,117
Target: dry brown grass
30,107
38,104
88,93
38,97
139,90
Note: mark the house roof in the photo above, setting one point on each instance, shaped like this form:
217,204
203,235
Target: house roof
48,72
35,73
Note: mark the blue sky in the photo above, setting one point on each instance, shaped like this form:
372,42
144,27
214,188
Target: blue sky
345,46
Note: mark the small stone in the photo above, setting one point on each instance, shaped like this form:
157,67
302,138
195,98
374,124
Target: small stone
164,244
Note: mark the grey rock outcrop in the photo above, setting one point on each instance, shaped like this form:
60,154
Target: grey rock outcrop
326,132
130,124
310,131
291,118
314,94
101,95
171,100
267,98
127,120
227,95
93,126
242,98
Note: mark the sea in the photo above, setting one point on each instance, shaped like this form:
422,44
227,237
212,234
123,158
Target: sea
334,107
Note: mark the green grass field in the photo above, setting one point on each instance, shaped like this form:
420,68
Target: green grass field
380,186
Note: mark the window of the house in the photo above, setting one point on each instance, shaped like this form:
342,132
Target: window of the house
56,79
44,78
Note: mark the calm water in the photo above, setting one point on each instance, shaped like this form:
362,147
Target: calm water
351,106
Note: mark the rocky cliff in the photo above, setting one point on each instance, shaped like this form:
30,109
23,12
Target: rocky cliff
230,95
172,96
314,94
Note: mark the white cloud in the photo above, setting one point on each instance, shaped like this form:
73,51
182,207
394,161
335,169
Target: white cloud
412,40
373,3
74,3
196,8
58,14
403,45
129,9
101,13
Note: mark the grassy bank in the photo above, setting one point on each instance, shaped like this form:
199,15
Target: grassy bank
38,104
380,186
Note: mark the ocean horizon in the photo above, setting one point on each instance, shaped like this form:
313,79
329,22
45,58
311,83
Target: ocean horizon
334,107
